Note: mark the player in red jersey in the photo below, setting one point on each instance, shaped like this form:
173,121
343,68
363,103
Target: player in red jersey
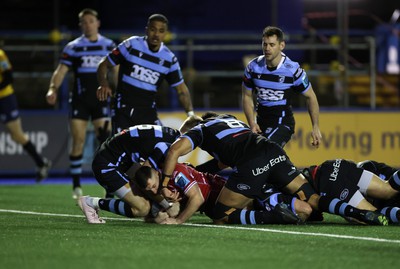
199,192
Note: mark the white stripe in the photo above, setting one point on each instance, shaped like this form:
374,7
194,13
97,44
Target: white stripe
220,227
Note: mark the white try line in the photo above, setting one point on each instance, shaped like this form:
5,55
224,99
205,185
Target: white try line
219,227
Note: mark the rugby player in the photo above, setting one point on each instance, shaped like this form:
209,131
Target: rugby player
82,56
9,115
274,78
144,63
257,162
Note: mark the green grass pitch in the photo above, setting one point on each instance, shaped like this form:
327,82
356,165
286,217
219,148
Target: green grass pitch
42,227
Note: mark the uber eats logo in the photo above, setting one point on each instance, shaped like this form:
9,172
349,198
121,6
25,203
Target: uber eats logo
144,74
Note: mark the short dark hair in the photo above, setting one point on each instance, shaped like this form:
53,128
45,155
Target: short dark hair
88,11
157,17
209,114
272,30
142,175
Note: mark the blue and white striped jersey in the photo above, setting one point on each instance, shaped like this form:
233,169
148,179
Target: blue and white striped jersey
142,71
226,138
83,57
139,143
275,87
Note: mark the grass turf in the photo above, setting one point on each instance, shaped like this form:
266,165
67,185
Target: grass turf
47,230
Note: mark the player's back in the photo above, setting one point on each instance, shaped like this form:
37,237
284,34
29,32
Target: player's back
225,138
139,141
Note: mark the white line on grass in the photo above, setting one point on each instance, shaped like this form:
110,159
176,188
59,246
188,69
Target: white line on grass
220,226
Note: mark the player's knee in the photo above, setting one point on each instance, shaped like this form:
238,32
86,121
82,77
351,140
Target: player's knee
221,213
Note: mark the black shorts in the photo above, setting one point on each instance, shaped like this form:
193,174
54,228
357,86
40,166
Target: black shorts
8,108
88,108
338,178
126,117
269,166
111,178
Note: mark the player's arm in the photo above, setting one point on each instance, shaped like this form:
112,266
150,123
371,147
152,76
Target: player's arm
104,90
184,98
248,109
313,111
195,200
55,83
180,147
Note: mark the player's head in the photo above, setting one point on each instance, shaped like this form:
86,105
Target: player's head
189,123
147,179
209,114
273,31
156,30
89,22
272,45
157,17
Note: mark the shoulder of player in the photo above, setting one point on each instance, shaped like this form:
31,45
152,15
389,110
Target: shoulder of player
290,65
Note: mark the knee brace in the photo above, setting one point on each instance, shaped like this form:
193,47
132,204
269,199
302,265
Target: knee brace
221,211
305,191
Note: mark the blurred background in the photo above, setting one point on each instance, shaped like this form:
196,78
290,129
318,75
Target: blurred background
345,45
350,49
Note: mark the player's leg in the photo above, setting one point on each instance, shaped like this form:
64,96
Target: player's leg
227,203
102,127
14,127
127,204
78,133
300,187
372,186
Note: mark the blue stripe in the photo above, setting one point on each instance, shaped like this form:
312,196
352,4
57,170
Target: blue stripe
393,214
111,206
76,171
161,146
158,131
396,178
226,132
134,132
121,208
76,162
135,157
252,218
139,84
243,216
342,208
332,205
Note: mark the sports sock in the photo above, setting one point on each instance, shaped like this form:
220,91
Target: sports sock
394,180
31,150
392,214
338,207
255,217
116,206
75,169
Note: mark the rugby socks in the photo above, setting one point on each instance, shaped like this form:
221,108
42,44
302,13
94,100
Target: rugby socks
116,206
392,214
31,150
253,217
394,180
338,207
75,169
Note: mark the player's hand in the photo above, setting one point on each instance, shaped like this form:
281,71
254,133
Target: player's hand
103,92
173,211
161,216
51,96
316,138
170,221
172,196
255,128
